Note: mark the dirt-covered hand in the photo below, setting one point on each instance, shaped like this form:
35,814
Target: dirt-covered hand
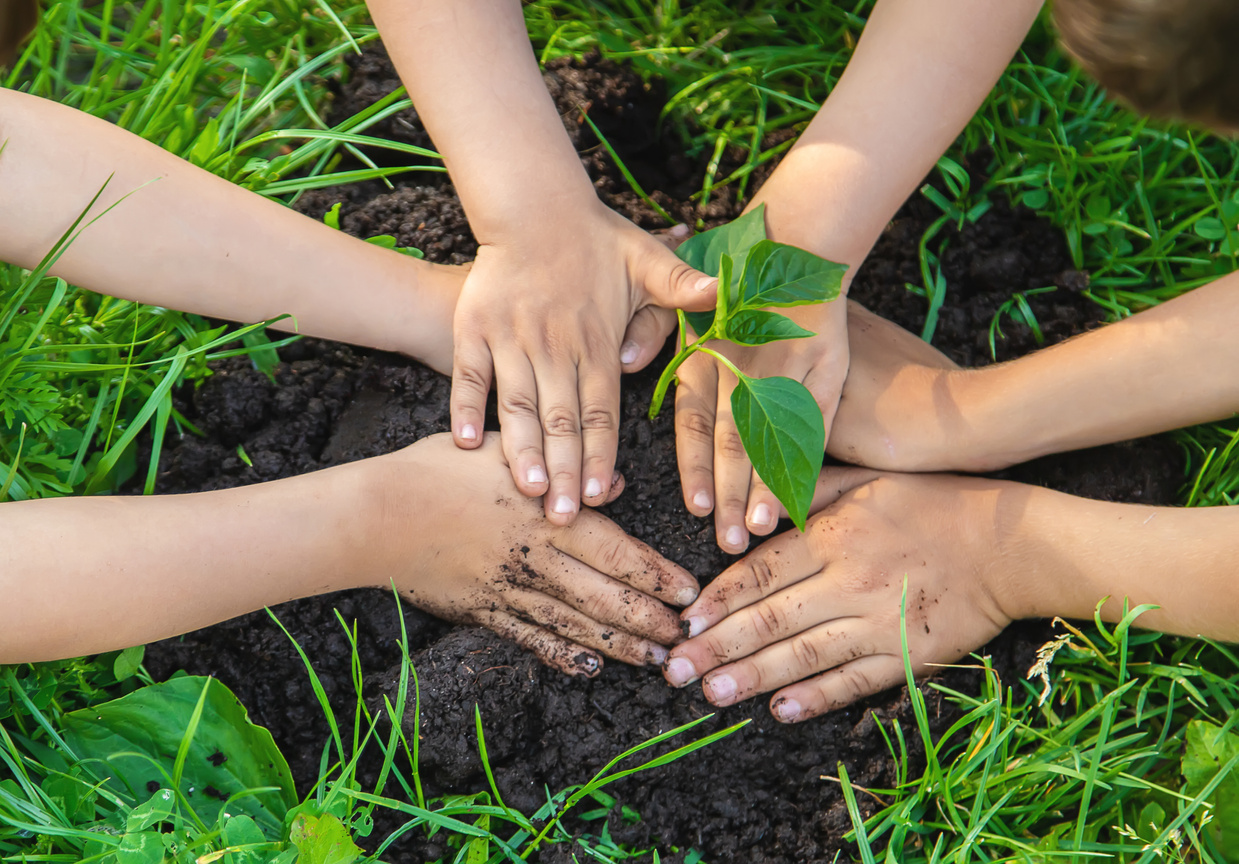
816,616
904,402
481,553
715,472
548,325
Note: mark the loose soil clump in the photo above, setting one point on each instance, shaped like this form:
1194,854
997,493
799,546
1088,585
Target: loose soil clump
758,796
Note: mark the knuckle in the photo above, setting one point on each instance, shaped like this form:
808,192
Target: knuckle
768,621
856,685
695,425
762,575
595,418
728,444
805,650
470,379
517,402
560,422
601,606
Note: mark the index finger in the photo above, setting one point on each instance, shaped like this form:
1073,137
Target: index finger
597,541
771,567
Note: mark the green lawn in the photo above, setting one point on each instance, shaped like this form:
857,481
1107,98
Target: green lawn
1129,755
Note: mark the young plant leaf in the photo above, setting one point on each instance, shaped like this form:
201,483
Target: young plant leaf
781,426
776,274
757,327
704,251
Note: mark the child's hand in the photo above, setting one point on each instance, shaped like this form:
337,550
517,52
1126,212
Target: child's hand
479,552
715,472
548,324
822,608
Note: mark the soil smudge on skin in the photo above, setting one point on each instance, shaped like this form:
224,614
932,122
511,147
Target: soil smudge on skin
756,797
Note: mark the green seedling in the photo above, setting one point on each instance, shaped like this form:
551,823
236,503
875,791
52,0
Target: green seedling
778,419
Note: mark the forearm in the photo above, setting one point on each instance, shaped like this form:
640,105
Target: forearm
1070,553
188,240
1165,368
471,72
83,575
919,73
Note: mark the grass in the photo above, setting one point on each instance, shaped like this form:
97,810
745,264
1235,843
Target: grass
236,88
1103,764
84,782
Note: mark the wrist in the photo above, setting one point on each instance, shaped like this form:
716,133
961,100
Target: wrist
539,217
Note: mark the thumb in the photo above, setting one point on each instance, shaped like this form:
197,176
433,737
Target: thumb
647,333
672,284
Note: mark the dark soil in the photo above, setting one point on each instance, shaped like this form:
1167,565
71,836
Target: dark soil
759,796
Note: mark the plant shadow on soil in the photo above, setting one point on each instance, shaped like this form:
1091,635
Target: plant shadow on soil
756,797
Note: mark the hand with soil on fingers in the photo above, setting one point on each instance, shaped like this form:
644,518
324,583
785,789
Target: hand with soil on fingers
816,616
488,557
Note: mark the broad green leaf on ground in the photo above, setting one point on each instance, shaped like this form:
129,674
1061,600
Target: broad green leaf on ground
1208,749
781,426
703,251
757,327
780,275
323,840
138,736
246,842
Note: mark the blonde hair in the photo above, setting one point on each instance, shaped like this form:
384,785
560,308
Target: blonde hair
1171,58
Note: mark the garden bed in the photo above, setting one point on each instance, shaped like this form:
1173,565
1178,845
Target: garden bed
758,796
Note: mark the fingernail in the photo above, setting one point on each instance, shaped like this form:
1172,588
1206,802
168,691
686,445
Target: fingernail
701,501
593,488
588,664
696,626
679,230
762,515
722,687
735,536
787,710
656,655
629,352
706,283
680,672
686,596
535,476
468,432
563,505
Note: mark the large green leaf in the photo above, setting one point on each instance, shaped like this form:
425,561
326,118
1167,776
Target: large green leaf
139,734
776,274
757,327
781,426
1208,749
703,251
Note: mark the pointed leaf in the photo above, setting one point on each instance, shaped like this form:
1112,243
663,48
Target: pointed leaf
783,432
704,251
780,275
757,327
